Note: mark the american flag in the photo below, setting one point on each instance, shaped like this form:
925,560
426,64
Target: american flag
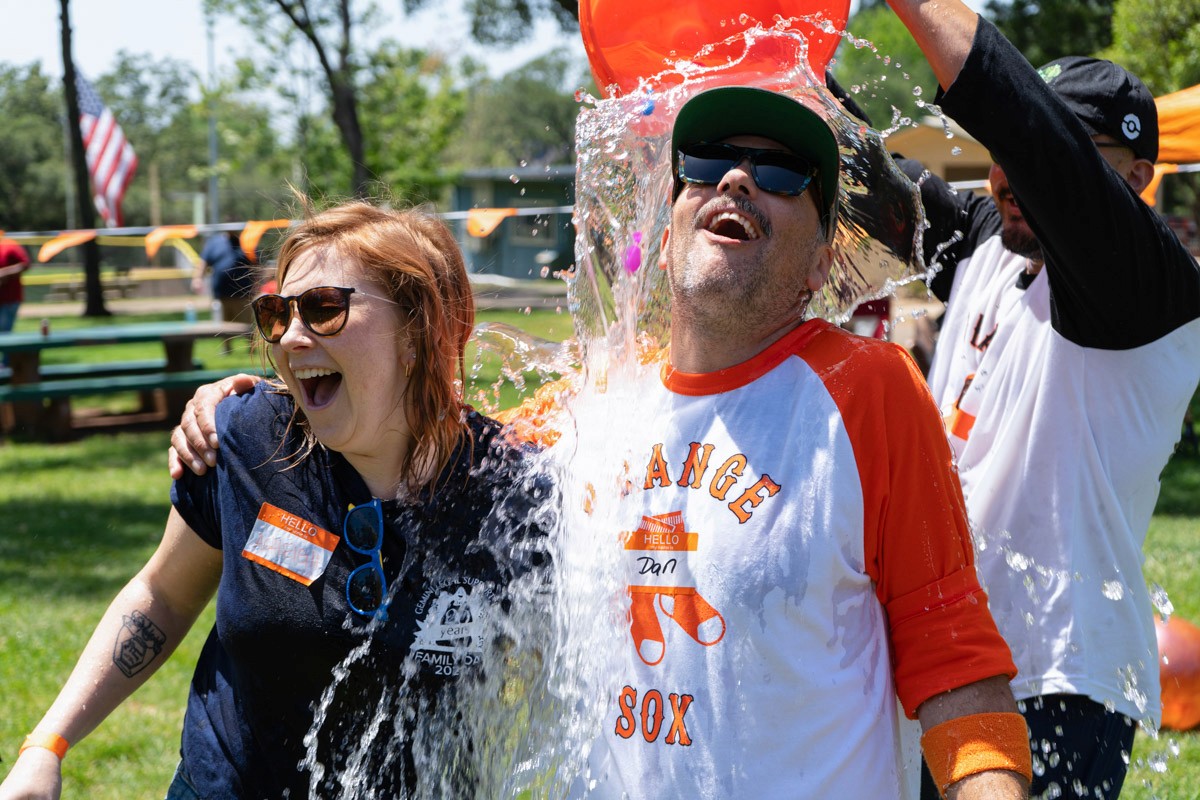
110,158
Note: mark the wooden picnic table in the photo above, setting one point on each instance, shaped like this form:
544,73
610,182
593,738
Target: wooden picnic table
24,353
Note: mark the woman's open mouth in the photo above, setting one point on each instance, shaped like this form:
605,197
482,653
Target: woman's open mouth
319,385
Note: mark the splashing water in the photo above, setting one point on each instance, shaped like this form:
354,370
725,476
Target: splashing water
879,231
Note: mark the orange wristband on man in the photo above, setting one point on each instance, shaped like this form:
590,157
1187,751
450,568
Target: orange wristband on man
50,741
962,747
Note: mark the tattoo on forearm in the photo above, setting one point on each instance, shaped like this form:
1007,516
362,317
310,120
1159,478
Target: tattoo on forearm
138,642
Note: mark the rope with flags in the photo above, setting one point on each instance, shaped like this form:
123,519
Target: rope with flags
110,158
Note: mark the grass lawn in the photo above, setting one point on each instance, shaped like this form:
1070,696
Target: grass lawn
78,519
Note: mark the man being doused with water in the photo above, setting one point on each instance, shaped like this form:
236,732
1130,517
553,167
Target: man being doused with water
1068,354
797,546
362,531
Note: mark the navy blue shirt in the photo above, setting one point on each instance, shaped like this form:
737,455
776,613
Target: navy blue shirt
233,275
270,660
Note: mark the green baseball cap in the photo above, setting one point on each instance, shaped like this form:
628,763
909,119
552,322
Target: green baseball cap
720,113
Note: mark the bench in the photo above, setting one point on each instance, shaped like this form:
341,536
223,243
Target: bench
172,390
84,370
113,288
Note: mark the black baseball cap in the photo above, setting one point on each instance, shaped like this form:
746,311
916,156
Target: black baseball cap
1108,99
727,111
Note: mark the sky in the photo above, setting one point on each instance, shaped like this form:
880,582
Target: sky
176,28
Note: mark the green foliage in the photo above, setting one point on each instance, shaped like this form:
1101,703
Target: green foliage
1048,29
508,22
1159,41
412,107
885,70
153,100
326,28
526,116
32,161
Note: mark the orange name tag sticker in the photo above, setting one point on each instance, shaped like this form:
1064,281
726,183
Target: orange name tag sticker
290,545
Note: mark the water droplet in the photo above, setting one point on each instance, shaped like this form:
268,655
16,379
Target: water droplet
956,151
744,19
522,163
514,178
1017,561
1113,590
1158,596
917,91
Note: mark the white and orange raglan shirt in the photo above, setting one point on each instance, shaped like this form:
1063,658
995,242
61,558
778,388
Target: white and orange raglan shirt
797,555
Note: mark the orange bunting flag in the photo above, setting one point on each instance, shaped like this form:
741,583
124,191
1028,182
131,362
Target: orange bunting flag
253,231
482,221
1179,126
1150,193
156,237
62,242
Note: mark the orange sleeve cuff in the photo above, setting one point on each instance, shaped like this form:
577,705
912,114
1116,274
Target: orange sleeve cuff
977,743
50,741
944,637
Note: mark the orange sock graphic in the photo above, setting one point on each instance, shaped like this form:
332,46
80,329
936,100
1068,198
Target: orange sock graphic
658,549
694,614
643,624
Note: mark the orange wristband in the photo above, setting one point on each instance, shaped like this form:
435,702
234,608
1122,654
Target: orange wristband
977,743
50,741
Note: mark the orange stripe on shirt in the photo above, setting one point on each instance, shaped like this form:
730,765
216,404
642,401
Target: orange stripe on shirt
916,540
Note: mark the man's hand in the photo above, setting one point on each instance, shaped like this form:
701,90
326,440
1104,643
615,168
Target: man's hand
194,440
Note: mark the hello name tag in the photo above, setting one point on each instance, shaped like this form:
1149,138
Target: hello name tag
290,545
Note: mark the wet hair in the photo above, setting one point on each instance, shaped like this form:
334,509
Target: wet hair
415,257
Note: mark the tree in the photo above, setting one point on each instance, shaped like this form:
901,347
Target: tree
94,302
507,22
1159,41
328,26
887,71
526,116
412,105
32,194
1048,29
1171,64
